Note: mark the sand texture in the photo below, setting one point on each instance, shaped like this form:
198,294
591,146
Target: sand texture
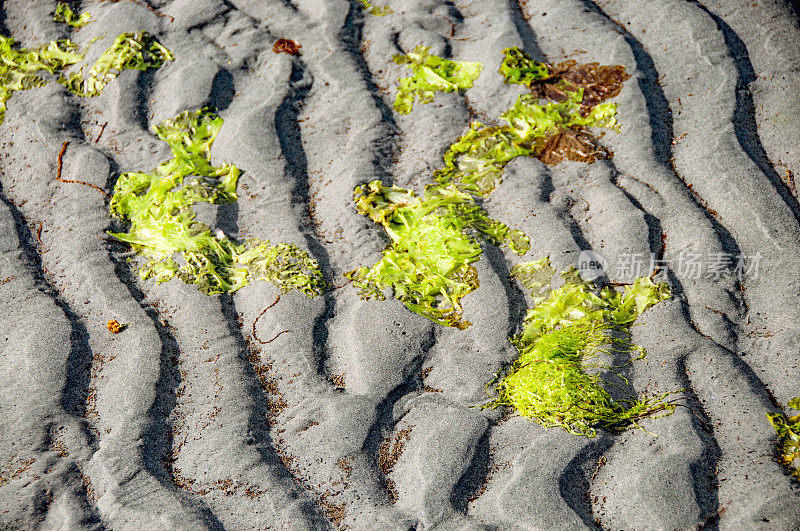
362,414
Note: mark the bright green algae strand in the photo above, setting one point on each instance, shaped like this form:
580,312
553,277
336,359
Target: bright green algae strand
431,74
65,15
378,11
476,161
20,69
130,51
563,334
518,68
435,238
163,229
788,430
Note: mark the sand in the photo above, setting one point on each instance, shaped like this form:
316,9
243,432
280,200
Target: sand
365,415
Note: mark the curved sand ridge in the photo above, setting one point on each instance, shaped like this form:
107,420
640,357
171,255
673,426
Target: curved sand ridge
362,413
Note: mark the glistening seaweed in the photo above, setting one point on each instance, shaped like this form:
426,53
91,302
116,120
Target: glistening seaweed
428,263
21,69
65,15
435,238
378,11
593,82
548,131
431,74
163,229
136,51
788,429
563,335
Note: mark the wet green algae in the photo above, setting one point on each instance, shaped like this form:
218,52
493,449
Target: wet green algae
129,51
163,229
372,9
551,123
22,69
65,15
788,430
564,334
435,239
431,74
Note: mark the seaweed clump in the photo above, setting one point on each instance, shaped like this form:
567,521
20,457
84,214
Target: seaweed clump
564,334
788,429
431,74
552,132
20,69
65,15
435,238
164,231
136,51
378,11
588,87
551,123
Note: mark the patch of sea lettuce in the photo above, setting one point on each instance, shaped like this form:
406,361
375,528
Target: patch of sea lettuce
137,51
435,238
551,123
163,229
556,82
378,11
788,430
476,161
563,335
65,15
518,67
20,69
433,242
431,74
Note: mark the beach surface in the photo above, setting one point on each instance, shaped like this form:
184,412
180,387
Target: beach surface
361,414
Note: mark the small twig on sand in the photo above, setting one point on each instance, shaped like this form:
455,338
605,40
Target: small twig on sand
39,234
274,338
790,182
255,335
109,240
61,165
103,128
340,287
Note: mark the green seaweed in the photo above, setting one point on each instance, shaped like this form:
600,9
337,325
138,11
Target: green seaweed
557,82
562,336
434,240
788,429
551,123
476,161
431,74
378,11
518,68
20,68
138,51
65,14
164,231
